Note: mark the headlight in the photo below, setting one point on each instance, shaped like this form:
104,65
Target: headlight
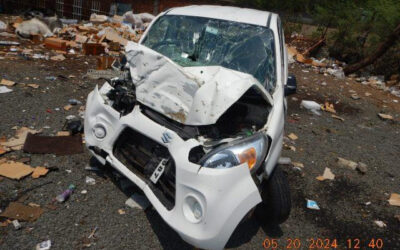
252,150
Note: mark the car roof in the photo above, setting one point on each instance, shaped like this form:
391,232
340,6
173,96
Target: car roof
236,14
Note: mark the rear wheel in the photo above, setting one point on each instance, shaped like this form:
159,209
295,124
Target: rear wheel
276,203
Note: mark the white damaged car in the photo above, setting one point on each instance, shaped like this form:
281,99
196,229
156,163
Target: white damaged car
196,119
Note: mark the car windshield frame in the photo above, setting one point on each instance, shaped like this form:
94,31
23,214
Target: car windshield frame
192,41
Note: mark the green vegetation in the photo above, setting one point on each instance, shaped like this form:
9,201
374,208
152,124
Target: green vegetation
359,27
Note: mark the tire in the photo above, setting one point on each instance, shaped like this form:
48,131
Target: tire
276,203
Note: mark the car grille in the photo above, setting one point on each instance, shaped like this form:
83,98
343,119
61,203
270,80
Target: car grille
142,155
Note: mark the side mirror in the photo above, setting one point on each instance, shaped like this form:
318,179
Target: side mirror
291,85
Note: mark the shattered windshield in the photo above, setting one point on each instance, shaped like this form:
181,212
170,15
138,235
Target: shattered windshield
197,41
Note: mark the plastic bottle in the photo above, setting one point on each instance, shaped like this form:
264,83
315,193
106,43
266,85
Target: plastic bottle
64,195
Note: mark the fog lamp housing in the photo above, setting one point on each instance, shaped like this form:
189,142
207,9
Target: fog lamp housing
193,209
99,131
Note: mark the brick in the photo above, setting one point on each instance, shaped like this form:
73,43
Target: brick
93,48
55,43
104,62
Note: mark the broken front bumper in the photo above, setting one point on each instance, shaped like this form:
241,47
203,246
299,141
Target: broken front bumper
225,196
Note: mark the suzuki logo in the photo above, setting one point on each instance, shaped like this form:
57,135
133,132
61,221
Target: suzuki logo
166,137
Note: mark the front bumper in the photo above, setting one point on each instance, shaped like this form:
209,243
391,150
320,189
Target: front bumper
225,196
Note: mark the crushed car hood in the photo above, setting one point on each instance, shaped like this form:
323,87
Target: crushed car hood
189,95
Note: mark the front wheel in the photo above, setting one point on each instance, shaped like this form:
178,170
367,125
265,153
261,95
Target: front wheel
276,203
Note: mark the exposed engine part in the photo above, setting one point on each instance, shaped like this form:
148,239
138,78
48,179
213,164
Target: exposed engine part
122,95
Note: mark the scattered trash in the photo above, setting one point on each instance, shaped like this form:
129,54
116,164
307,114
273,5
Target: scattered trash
293,137
367,94
90,181
91,235
19,211
39,171
121,211
33,85
51,78
327,175
16,224
367,203
312,205
394,199
66,194
9,43
70,117
4,89
362,168
90,168
45,245
385,116
74,102
138,201
379,223
284,161
15,170
59,145
338,73
355,96
328,107
59,57
298,164
337,117
63,133
311,106
84,191
6,82
67,107
74,126
347,163
31,204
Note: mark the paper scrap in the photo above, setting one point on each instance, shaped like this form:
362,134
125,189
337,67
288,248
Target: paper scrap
394,199
17,142
4,89
63,133
19,211
67,107
327,175
385,116
6,82
15,170
39,171
298,164
292,136
33,85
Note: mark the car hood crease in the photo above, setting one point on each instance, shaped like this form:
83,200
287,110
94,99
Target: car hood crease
189,95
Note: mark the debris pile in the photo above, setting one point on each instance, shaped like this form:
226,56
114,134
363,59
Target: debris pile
330,66
65,38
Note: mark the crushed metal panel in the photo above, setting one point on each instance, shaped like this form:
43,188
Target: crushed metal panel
191,95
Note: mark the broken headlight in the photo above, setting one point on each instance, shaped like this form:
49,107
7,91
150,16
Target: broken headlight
252,150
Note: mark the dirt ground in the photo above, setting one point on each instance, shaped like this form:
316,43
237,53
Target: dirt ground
344,214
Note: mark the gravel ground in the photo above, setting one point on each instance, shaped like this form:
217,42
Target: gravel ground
362,136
